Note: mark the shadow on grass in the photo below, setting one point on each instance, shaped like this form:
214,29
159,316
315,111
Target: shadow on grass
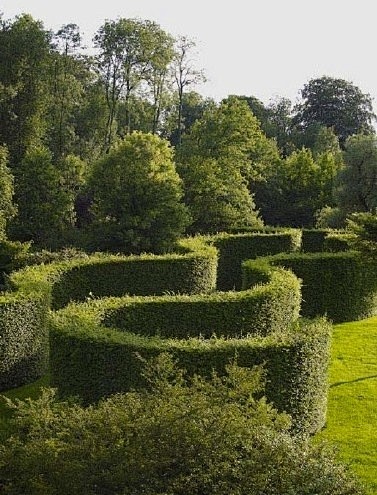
337,384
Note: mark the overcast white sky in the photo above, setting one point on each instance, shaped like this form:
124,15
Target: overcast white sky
263,48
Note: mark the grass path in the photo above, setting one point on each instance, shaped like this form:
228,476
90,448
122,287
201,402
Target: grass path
352,408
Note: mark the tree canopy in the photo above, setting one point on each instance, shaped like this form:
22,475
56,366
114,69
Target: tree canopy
137,197
337,104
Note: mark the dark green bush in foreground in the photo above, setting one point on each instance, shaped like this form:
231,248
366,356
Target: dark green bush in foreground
215,437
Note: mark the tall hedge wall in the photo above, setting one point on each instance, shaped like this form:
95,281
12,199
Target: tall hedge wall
342,286
260,310
23,337
34,290
236,248
92,361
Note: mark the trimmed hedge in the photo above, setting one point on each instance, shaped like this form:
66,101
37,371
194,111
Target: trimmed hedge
34,290
260,310
313,240
336,242
93,361
342,286
23,338
236,248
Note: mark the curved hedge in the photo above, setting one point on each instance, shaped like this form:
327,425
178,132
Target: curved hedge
34,290
91,360
260,310
236,248
342,286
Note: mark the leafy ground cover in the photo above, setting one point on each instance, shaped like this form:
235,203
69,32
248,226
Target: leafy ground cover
352,409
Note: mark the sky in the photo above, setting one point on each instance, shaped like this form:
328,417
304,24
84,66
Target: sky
261,48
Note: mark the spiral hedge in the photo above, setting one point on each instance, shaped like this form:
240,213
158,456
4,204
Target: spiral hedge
24,309
170,303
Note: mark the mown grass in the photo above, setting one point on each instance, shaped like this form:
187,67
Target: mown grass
352,408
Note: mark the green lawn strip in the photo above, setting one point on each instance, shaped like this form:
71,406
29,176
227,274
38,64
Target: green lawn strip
352,408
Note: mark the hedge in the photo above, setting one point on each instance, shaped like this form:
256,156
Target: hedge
94,361
23,338
236,248
342,286
313,240
260,310
34,290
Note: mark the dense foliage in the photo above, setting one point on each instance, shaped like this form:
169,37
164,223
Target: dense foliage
182,436
137,197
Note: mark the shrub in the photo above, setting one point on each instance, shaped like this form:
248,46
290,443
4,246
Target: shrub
313,240
183,436
23,330
23,339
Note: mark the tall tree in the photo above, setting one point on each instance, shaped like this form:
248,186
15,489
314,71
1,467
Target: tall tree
335,103
185,75
128,51
356,189
44,207
66,79
24,54
223,153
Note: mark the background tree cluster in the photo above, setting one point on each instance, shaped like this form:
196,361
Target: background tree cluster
241,162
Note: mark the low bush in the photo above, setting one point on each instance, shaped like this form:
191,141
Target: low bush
313,240
32,291
23,339
182,436
268,308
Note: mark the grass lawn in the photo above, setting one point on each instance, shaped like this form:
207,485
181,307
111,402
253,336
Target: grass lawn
352,409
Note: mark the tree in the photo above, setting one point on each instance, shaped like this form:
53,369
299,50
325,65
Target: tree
67,74
356,183
337,104
44,208
223,153
185,75
198,436
217,195
130,51
7,208
25,48
137,197
296,188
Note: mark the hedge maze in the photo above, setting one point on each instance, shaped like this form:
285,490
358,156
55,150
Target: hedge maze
231,296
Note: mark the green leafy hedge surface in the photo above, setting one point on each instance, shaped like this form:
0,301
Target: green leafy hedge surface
23,337
313,240
34,290
236,248
342,286
92,361
260,310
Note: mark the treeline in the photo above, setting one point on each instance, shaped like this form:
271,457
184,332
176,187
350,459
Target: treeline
117,151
